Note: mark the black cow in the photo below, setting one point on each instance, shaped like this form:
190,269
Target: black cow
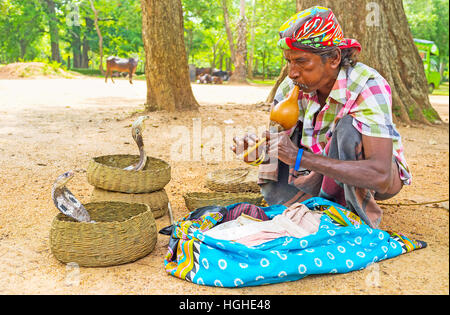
224,75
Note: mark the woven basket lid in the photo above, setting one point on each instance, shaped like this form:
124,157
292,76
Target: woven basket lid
156,200
233,180
195,200
106,172
122,233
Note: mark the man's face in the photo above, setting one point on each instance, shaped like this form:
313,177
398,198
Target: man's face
308,71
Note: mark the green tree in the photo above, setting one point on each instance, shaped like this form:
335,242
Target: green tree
205,18
428,19
120,25
203,31
269,15
21,25
50,7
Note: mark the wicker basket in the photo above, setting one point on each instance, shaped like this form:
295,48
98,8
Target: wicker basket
195,200
122,233
106,172
233,180
157,200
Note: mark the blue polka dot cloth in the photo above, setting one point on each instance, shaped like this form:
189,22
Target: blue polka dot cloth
339,246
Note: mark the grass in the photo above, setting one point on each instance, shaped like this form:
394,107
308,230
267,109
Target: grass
139,77
430,115
441,90
96,73
262,82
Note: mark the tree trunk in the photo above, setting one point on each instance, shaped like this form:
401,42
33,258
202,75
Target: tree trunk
85,45
166,66
226,19
100,37
84,54
23,48
189,37
264,65
76,46
273,91
217,47
284,71
382,29
53,29
281,77
442,69
240,73
221,59
252,42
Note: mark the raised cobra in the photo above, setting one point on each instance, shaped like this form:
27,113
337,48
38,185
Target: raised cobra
65,201
136,132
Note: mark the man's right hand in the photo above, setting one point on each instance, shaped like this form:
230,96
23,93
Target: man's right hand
242,144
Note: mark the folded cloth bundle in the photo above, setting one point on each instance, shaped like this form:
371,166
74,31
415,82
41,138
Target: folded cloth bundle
340,245
248,209
295,221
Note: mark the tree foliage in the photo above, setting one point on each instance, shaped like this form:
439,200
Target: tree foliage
204,28
428,19
21,27
25,33
25,30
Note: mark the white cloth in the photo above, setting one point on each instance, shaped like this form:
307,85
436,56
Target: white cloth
296,221
231,229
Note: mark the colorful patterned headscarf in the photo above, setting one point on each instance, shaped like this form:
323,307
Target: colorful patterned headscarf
316,27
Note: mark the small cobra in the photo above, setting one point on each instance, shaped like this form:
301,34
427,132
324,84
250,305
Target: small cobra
65,201
136,133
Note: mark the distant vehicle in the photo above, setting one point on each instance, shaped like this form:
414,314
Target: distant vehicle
430,57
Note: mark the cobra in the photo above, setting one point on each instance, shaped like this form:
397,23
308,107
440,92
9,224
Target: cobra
136,132
65,201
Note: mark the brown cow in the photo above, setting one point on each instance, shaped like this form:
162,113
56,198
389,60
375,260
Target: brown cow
202,71
121,65
216,80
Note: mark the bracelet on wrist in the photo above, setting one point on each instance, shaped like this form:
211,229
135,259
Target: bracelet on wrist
298,160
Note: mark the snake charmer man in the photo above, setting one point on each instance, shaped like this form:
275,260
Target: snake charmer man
345,146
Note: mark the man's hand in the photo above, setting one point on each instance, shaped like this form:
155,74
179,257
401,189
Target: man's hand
280,146
242,144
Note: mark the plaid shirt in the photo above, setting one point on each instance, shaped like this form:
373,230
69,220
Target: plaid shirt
359,91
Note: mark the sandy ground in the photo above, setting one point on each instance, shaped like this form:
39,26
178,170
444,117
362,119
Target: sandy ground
49,126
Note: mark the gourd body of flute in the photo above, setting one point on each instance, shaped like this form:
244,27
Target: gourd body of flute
286,112
283,116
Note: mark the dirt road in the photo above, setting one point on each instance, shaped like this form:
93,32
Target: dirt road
440,104
50,126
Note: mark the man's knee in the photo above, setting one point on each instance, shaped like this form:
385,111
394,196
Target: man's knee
276,193
270,193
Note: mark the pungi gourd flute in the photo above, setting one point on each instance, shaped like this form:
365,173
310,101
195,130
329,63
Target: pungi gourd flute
283,116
